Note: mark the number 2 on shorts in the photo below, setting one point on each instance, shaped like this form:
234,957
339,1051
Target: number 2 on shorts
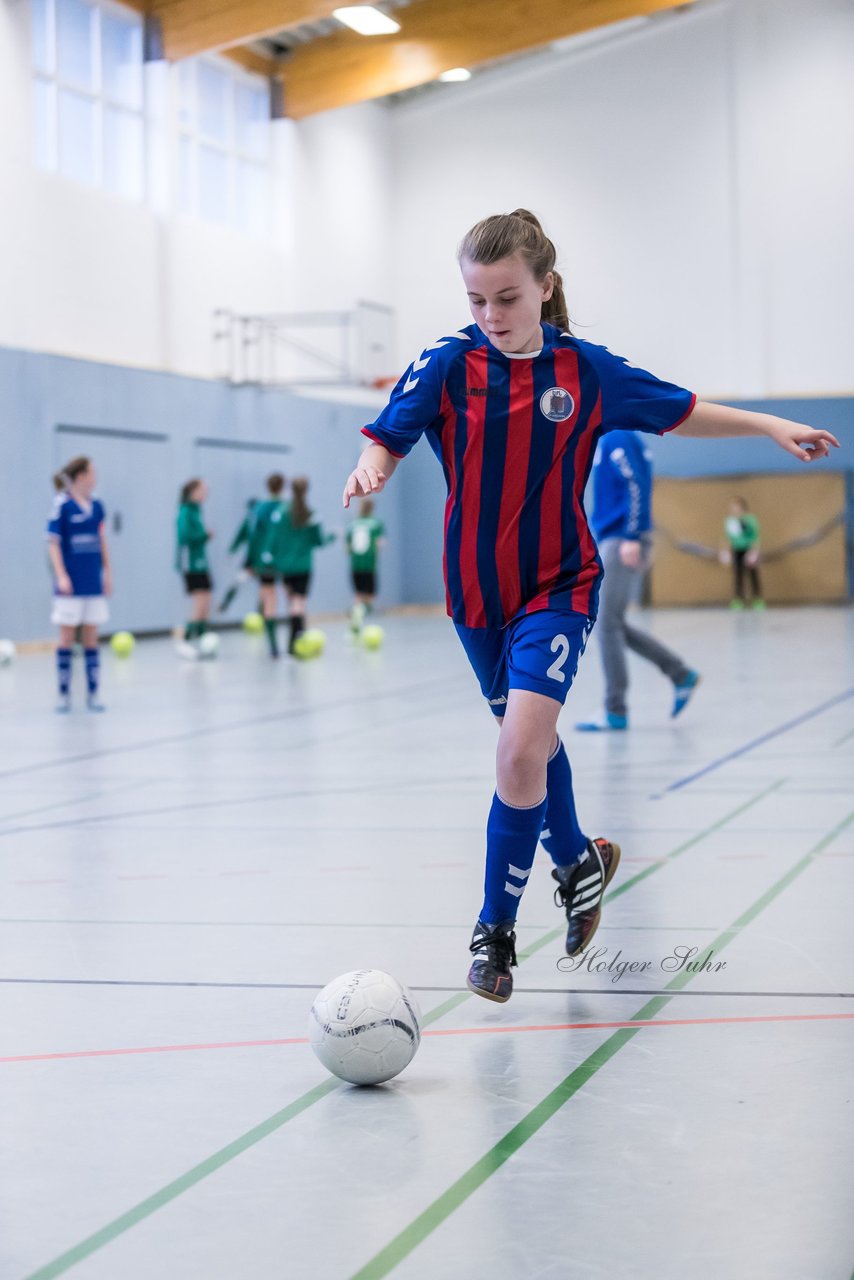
560,646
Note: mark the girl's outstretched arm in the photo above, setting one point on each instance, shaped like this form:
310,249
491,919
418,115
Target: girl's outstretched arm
373,469
718,420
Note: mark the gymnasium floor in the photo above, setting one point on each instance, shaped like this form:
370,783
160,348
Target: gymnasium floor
180,875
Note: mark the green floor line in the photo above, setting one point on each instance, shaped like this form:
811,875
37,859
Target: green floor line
839,744
179,1185
689,844
435,1214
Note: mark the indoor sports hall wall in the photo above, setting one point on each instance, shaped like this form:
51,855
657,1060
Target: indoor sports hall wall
89,273
148,433
694,172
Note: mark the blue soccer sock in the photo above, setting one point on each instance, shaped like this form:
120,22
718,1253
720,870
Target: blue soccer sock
63,671
562,837
511,842
93,665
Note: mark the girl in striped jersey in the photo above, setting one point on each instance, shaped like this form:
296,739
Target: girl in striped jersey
513,406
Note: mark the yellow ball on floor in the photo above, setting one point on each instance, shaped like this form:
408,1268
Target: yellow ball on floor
253,623
372,637
310,644
122,644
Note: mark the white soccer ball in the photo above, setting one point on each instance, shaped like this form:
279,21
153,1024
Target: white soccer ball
209,644
7,652
365,1027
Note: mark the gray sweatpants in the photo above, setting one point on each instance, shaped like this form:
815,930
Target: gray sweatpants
615,634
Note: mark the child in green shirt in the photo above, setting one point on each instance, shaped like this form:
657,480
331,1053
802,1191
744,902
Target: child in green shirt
191,560
299,535
262,534
364,538
742,531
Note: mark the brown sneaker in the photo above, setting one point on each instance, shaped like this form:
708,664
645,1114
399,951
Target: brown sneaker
494,951
580,892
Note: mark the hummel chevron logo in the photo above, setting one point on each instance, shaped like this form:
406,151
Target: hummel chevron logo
424,359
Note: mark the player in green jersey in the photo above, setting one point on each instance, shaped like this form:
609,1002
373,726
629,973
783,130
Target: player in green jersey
241,538
299,535
262,539
364,539
742,531
192,561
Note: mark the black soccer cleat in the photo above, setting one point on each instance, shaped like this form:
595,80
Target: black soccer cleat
580,892
494,951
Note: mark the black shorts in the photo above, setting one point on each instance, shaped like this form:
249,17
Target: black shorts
365,582
197,582
268,579
298,583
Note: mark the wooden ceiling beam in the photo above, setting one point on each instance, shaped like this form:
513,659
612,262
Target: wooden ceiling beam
190,27
436,35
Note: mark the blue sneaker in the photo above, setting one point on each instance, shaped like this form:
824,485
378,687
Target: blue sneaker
683,691
611,723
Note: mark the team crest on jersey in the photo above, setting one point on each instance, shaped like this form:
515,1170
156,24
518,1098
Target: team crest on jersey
556,404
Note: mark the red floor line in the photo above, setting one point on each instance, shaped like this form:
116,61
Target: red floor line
459,1031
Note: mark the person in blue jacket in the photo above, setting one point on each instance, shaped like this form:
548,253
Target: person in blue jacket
622,525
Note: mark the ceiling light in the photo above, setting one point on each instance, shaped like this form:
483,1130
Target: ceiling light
366,20
455,74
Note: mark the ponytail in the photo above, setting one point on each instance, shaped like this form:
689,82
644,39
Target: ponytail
69,473
504,234
300,512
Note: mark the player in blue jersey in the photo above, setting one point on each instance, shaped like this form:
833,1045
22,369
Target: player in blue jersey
81,569
622,523
513,406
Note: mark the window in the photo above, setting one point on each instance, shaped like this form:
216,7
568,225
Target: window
194,137
88,94
224,145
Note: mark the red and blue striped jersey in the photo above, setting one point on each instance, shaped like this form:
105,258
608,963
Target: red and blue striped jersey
516,438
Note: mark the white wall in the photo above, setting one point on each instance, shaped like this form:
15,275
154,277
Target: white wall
696,173
84,273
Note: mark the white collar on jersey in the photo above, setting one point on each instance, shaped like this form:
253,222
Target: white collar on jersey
522,355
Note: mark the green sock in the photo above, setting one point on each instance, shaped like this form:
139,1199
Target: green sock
190,631
270,628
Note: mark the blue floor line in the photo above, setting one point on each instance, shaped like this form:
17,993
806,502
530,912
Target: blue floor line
757,742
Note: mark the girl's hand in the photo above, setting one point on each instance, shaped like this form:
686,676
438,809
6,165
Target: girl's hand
805,443
107,582
363,482
63,585
630,554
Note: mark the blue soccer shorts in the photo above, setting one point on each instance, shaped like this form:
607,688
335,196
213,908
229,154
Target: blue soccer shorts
538,652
